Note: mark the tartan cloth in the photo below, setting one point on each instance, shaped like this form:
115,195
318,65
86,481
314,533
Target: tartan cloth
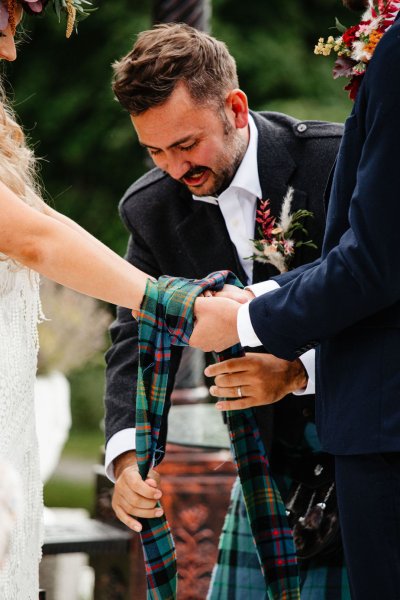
237,575
165,318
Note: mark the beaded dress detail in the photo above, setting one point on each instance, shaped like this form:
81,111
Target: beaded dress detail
20,312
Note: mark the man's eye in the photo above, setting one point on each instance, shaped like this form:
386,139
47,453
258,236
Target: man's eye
186,148
153,152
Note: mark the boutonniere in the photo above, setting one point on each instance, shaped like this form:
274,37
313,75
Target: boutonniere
357,44
278,243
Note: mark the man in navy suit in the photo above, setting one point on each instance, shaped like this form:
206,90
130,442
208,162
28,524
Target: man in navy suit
347,304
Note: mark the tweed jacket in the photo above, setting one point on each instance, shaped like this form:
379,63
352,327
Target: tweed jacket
172,234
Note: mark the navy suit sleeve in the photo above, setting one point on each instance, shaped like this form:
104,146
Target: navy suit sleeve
359,276
285,278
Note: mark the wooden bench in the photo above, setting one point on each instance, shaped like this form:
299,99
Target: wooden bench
107,546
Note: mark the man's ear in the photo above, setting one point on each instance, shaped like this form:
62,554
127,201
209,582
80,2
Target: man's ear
236,103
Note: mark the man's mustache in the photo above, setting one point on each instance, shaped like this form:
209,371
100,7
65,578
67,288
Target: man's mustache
193,172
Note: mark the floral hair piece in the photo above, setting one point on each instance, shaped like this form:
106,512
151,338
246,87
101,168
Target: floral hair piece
74,10
357,44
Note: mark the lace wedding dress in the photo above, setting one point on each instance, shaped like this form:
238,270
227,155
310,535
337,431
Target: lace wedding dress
19,314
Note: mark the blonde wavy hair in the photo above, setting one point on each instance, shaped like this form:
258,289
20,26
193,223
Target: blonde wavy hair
17,161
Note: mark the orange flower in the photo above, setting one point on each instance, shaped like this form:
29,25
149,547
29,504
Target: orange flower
374,39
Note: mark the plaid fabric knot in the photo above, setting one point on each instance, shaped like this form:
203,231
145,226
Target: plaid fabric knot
166,318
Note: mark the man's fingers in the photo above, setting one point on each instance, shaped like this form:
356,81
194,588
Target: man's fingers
232,365
153,476
234,379
241,404
228,392
133,481
130,500
128,520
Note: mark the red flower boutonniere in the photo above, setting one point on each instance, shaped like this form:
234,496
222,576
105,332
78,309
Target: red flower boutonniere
357,44
278,244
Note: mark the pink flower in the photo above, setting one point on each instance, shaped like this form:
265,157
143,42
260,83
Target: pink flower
288,246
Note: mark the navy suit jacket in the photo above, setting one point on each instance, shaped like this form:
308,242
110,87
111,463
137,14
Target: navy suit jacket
348,302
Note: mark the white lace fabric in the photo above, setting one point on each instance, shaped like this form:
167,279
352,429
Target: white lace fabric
20,312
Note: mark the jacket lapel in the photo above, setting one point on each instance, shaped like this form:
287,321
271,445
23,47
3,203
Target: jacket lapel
276,168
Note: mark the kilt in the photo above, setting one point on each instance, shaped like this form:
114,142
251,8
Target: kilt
237,574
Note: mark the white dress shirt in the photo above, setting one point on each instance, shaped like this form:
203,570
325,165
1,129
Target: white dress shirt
238,205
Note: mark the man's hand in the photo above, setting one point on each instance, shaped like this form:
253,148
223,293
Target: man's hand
215,326
133,496
258,378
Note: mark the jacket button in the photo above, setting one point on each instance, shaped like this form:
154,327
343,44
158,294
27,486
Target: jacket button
307,413
302,128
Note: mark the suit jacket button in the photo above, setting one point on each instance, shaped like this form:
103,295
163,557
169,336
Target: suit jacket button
307,413
302,128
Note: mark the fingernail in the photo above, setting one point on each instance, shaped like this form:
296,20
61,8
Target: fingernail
219,406
157,495
137,528
206,372
159,512
212,390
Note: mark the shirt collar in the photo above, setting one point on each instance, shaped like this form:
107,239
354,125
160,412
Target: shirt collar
246,177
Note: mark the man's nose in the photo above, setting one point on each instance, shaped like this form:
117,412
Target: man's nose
177,167
7,46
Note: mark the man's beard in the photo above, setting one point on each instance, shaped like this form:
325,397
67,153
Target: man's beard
356,5
235,147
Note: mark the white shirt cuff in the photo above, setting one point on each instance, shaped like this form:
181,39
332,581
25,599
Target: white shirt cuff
122,441
245,329
249,338
263,287
246,332
308,360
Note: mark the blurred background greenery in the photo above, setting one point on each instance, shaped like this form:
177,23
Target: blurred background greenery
88,151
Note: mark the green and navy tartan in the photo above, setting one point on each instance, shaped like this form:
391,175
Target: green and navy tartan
166,318
237,575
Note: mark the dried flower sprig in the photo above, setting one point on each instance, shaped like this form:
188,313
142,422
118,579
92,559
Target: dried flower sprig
277,243
74,10
357,44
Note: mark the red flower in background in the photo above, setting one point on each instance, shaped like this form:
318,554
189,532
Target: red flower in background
349,35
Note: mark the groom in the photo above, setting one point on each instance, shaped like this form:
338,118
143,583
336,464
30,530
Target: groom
348,304
196,214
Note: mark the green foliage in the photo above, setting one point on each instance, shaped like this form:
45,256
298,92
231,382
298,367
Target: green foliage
87,390
61,492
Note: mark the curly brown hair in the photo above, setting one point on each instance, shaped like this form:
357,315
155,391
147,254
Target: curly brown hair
166,55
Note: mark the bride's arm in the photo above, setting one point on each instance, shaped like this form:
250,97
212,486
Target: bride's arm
64,252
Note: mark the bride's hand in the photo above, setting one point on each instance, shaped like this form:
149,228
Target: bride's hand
233,293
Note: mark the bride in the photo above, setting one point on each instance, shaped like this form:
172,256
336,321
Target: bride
36,239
